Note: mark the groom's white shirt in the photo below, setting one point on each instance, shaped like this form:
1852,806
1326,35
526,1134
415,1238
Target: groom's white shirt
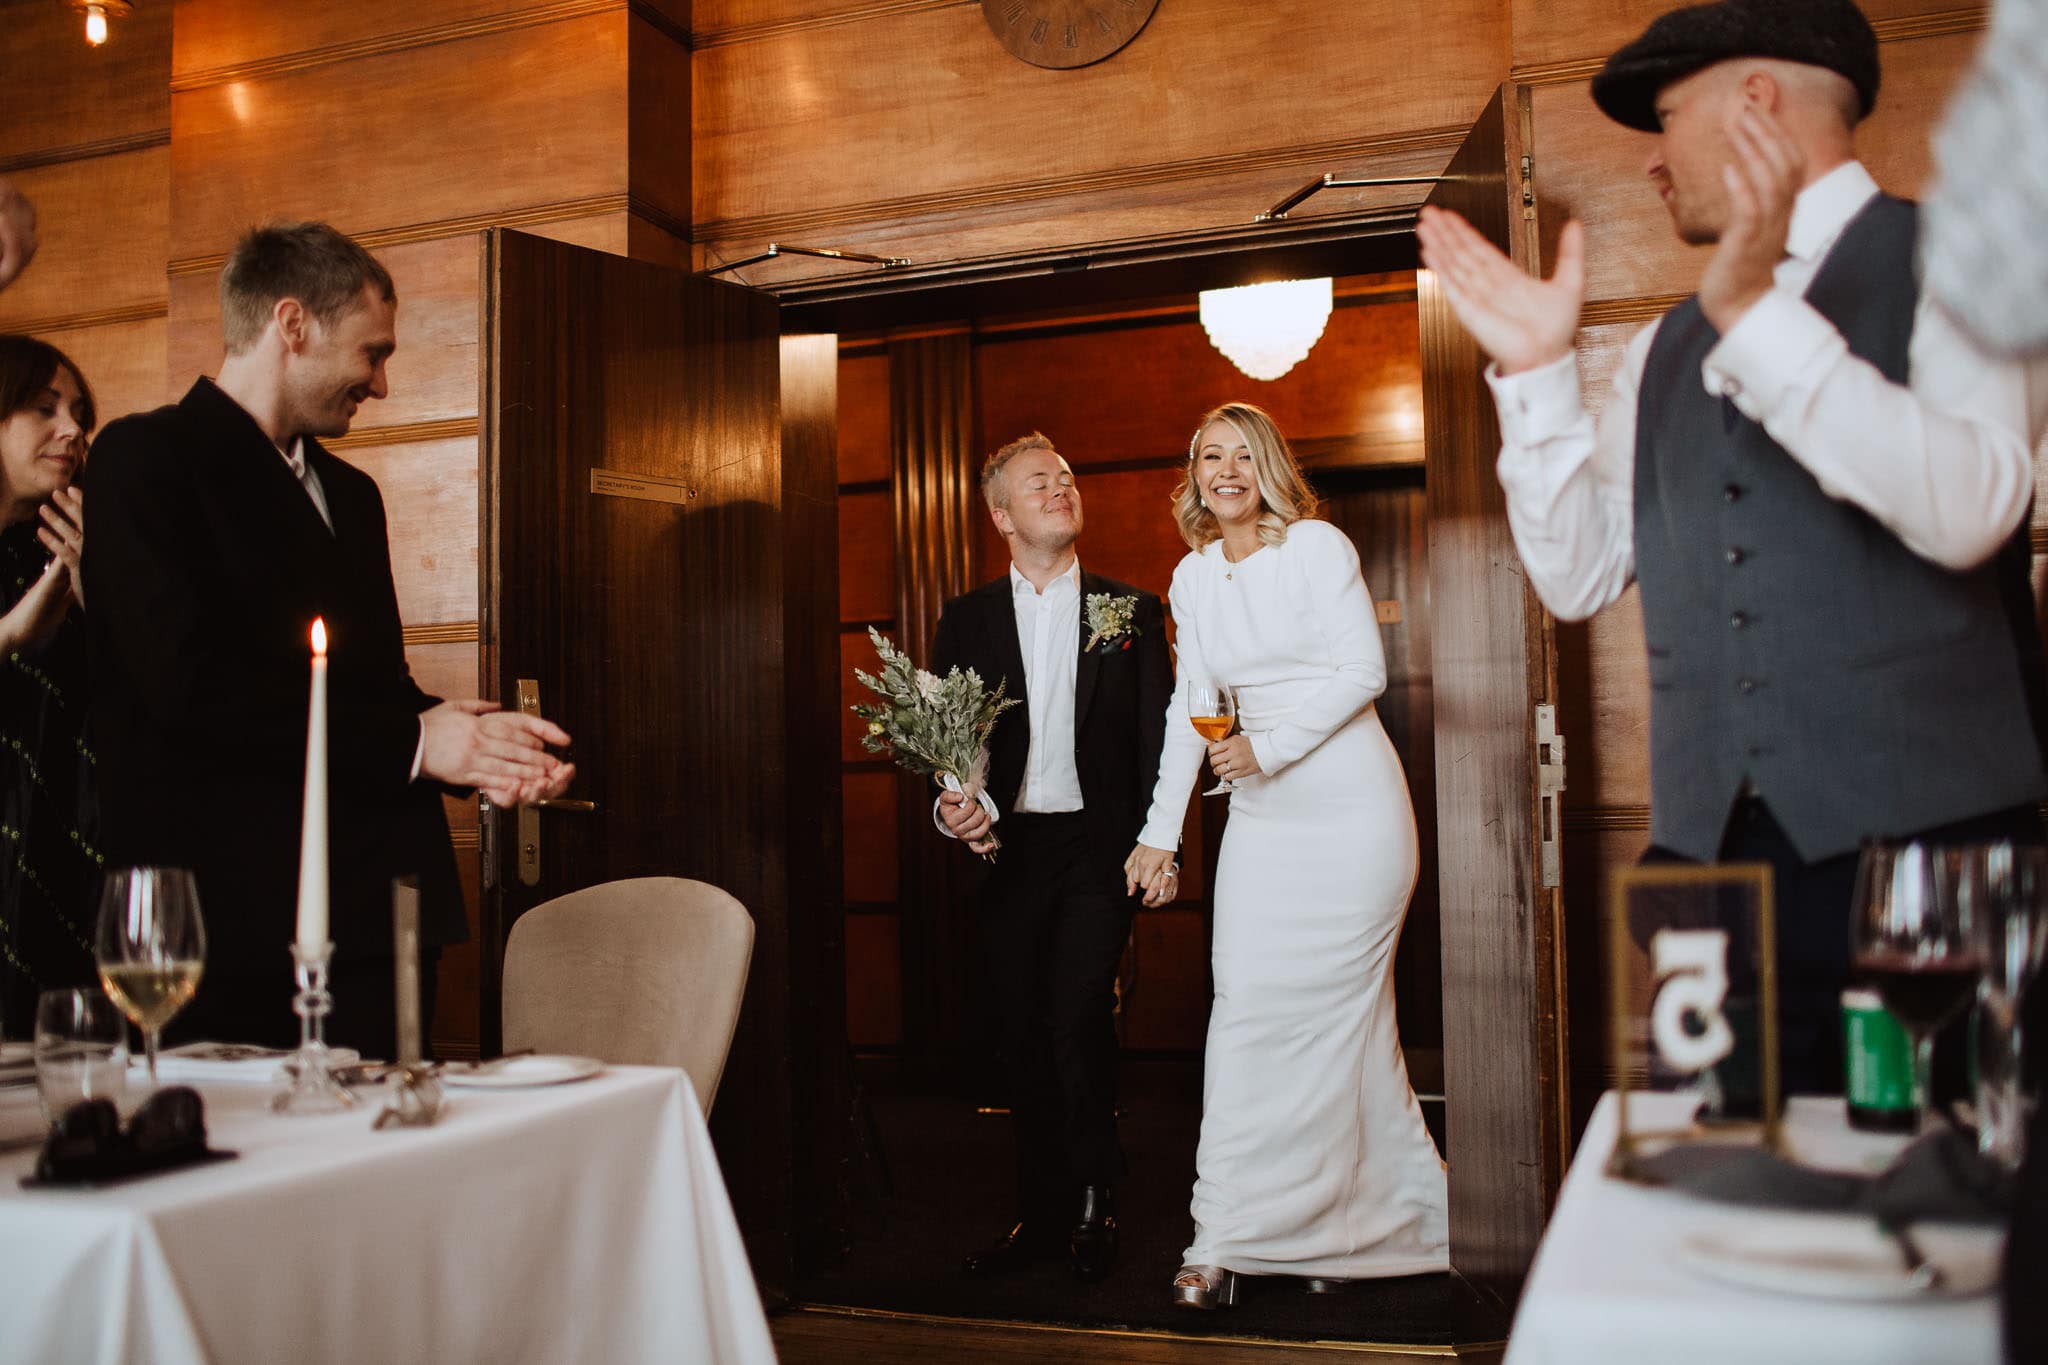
1049,637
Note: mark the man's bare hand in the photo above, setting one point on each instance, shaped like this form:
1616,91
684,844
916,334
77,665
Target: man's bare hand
503,754
17,232
1763,182
1522,322
63,535
966,819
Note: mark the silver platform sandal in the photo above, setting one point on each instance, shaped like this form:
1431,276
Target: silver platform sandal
1207,1287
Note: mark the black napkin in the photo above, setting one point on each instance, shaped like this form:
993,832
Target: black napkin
88,1146
1940,1177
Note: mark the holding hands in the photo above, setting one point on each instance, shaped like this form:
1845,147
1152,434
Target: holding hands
1153,869
1762,181
503,754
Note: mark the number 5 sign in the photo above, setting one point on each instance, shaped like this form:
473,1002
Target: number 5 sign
1694,1033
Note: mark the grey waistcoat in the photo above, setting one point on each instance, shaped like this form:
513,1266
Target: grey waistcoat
1794,642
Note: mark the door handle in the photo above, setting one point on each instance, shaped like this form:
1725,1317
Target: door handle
527,696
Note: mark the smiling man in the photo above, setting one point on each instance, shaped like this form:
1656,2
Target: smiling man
1818,481
221,530
1070,774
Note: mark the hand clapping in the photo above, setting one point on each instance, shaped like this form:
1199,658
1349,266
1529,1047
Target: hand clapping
503,754
1521,321
1762,182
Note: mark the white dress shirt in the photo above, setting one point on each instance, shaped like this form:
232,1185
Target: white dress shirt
1049,637
1049,634
295,460
1944,463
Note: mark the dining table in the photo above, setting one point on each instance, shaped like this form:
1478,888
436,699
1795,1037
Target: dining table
583,1221
1630,1272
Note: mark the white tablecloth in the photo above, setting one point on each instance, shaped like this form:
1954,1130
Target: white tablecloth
1607,1287
575,1223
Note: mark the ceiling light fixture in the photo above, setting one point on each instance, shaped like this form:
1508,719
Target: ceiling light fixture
97,13
1267,329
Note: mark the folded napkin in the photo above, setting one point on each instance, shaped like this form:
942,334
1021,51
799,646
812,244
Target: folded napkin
1940,1177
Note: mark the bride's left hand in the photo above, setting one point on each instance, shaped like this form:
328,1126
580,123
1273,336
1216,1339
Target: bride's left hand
1233,758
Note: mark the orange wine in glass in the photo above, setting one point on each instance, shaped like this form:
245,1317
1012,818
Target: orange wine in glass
1212,710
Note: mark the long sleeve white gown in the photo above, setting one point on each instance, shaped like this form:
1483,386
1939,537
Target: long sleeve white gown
1313,1160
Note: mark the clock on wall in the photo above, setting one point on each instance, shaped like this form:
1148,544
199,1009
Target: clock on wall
1065,33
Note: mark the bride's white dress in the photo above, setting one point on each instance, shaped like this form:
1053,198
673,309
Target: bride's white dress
1314,1159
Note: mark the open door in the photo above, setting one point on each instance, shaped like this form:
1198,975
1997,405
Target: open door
1499,766
658,554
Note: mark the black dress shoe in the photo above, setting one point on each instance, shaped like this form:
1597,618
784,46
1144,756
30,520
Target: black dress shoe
1017,1248
1091,1249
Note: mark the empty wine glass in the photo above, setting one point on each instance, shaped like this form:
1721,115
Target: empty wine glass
1916,940
1212,710
2006,885
150,947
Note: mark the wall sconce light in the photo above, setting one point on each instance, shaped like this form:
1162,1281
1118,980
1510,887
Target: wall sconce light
97,13
1267,329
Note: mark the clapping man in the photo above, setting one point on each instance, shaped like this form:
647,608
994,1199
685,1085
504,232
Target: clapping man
221,529
1818,481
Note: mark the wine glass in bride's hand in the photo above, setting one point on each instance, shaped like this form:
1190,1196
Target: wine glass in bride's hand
150,946
1915,938
1212,710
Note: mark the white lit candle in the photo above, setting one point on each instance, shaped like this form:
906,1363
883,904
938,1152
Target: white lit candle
312,935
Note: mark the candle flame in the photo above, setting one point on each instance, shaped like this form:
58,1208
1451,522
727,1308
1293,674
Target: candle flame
319,637
96,26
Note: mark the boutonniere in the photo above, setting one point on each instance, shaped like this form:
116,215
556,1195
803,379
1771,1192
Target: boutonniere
1111,621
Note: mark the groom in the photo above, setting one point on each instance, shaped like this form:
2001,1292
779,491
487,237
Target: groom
1070,774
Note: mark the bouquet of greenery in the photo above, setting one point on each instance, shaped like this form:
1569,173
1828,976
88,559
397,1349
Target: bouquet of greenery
930,724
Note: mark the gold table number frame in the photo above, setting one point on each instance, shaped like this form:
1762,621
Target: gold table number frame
1657,892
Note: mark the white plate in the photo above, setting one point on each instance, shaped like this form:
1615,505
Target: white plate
521,1072
1841,1258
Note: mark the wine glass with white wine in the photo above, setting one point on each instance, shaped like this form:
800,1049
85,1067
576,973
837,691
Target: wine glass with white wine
151,947
1212,710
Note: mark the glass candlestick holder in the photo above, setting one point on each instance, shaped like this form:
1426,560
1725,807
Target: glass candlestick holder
311,1087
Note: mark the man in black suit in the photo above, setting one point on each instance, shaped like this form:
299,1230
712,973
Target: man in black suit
1070,773
221,530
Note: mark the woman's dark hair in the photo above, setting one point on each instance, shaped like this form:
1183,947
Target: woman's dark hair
26,368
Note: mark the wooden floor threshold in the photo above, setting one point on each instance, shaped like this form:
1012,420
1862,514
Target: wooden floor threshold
820,1334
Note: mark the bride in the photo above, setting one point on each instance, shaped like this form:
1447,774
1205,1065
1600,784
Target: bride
1314,1160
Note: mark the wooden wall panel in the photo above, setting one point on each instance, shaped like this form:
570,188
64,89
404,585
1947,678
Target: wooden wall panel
60,92
937,108
430,499
864,418
518,118
216,36
1363,379
854,652
458,979
870,804
102,224
874,987
1167,1006
658,118
867,558
448,669
1591,168
124,363
433,372
1549,32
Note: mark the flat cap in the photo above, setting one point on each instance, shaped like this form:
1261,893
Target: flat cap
1827,33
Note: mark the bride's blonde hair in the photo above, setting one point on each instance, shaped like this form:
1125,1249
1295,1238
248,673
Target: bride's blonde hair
1284,495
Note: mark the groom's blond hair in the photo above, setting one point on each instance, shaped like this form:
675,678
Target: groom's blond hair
994,489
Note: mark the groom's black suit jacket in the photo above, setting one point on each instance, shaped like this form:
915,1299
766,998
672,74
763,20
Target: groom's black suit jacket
1120,697
206,566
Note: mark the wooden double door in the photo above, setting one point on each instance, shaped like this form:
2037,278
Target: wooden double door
658,564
